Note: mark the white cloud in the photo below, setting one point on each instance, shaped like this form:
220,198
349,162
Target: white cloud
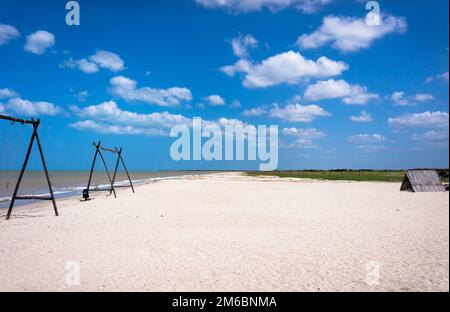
398,98
245,6
89,125
331,89
366,138
371,148
101,59
304,137
288,67
306,133
107,117
364,117
32,109
215,100
298,113
39,41
401,99
8,93
350,34
241,44
236,104
110,112
8,33
423,97
426,120
125,88
108,60
255,112
84,65
431,136
82,95
442,77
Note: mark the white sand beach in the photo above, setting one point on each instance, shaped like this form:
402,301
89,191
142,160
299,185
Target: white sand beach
230,232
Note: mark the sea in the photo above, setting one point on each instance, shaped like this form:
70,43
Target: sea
72,183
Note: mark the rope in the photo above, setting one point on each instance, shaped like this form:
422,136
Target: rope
13,160
3,163
15,152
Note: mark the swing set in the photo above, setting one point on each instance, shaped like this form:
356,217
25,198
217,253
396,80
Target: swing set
112,189
34,137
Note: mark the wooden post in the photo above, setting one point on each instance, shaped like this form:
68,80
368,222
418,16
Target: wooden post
120,159
46,172
126,170
93,165
107,172
117,166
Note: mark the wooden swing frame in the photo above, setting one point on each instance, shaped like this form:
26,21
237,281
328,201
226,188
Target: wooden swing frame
112,189
34,137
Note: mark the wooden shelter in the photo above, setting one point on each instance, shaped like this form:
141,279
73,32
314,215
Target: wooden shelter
422,181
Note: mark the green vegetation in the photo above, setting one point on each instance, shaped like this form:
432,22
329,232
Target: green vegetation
349,175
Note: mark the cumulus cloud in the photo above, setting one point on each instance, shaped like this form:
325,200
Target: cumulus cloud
110,112
108,60
332,89
215,100
442,77
350,34
298,112
8,93
363,117
8,33
101,59
90,125
304,137
288,67
431,136
126,88
84,65
401,99
398,98
423,97
107,117
2,108
245,6
421,120
241,44
39,41
366,138
255,112
32,109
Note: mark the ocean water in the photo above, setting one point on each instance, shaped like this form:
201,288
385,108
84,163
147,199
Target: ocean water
72,183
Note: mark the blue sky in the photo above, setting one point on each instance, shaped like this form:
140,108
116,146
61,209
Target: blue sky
344,94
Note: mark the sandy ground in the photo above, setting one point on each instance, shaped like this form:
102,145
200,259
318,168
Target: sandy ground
228,232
